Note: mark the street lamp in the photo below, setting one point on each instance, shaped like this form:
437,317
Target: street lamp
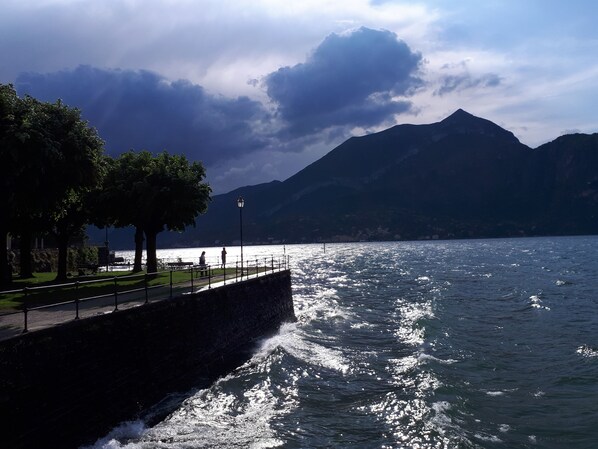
241,203
107,250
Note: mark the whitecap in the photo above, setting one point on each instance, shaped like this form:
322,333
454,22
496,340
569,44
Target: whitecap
504,428
422,357
441,418
489,438
312,353
537,302
410,314
495,393
587,351
126,431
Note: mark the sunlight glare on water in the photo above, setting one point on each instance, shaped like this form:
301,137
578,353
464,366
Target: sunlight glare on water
462,344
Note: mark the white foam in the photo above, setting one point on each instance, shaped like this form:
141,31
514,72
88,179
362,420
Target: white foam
537,302
124,432
587,351
495,393
490,438
291,340
423,357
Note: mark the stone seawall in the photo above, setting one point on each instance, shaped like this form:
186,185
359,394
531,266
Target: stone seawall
70,384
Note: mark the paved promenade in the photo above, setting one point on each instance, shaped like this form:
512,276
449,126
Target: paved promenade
12,323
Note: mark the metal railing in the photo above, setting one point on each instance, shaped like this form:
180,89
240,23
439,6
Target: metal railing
127,291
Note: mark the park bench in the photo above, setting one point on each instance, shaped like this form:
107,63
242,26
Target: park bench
179,265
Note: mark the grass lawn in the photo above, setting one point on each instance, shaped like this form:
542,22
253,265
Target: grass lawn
43,289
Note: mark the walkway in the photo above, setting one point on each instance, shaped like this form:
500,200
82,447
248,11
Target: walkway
13,323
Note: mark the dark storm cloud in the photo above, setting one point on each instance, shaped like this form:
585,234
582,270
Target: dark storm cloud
349,80
142,110
453,83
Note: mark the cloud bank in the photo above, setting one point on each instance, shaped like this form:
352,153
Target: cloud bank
349,80
356,79
142,110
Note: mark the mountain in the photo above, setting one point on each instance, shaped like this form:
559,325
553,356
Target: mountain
462,177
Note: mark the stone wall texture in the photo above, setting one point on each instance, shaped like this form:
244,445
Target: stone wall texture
68,385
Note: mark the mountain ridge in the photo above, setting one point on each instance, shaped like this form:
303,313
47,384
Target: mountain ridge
461,177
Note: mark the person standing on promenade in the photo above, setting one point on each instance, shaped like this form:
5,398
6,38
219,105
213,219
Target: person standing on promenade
223,257
202,264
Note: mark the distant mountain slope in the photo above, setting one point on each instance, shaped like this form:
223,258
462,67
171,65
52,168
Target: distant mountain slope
462,177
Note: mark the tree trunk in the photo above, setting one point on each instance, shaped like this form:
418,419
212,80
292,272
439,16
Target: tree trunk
138,249
5,273
63,242
26,265
150,246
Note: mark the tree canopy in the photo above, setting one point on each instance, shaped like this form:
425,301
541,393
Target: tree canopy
55,178
53,157
154,193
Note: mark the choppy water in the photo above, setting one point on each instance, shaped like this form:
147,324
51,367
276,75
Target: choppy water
459,344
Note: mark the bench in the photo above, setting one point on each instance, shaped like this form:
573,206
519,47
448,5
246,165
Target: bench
179,265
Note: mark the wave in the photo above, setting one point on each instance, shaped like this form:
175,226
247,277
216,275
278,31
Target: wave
536,302
587,351
122,434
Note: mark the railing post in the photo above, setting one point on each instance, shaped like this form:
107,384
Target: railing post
115,294
76,300
209,276
191,278
170,284
224,275
272,264
236,271
257,267
146,295
25,311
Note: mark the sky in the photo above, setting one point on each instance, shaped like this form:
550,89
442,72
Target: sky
257,90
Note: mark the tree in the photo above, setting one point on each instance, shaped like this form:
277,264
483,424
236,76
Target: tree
28,190
175,197
75,168
153,193
118,199
8,170
49,158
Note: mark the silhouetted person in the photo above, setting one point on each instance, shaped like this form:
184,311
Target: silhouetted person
202,264
223,257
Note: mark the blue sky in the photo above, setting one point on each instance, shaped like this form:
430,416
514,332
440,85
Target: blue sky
257,90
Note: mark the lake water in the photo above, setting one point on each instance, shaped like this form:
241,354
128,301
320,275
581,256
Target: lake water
444,344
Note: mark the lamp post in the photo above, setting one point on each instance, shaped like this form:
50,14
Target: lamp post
240,204
107,250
